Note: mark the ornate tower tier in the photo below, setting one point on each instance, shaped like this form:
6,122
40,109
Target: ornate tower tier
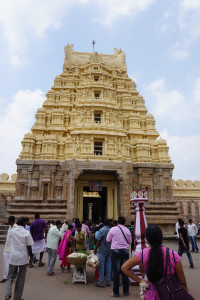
92,132
93,111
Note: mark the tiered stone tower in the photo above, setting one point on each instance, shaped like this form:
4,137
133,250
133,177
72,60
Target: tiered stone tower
93,133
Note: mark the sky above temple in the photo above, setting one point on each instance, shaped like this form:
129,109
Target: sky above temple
161,40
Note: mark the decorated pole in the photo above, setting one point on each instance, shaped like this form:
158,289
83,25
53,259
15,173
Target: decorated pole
139,199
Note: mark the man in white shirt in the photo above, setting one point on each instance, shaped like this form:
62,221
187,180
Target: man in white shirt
192,232
21,242
7,249
53,237
177,228
65,226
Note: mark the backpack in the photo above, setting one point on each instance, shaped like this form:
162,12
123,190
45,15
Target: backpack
169,287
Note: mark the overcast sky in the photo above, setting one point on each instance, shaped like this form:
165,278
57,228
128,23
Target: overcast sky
161,40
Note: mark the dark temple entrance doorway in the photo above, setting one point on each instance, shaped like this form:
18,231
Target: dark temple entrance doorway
97,205
96,195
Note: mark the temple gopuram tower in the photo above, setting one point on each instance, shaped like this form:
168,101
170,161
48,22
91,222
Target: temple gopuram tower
92,140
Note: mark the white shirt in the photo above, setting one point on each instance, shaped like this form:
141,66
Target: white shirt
64,227
192,230
7,247
53,237
176,229
20,239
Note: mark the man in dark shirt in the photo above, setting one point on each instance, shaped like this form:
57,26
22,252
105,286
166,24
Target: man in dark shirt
37,229
184,242
103,252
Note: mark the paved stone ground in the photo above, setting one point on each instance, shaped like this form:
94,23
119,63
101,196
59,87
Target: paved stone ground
38,286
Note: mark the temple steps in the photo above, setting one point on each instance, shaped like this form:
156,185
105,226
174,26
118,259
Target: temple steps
36,210
18,205
165,207
163,214
39,200
160,212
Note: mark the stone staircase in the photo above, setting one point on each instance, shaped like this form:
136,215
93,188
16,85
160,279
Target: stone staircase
48,210
163,214
3,233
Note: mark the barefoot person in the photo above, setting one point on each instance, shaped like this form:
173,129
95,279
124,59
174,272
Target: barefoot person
38,227
7,249
21,242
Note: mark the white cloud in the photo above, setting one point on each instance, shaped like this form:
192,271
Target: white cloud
179,51
21,21
172,105
196,93
110,10
189,17
184,152
181,114
15,120
183,17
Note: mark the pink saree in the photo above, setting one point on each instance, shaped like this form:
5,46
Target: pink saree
62,248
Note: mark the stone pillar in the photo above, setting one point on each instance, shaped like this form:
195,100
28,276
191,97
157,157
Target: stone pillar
90,205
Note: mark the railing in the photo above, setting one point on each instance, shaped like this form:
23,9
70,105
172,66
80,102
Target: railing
3,233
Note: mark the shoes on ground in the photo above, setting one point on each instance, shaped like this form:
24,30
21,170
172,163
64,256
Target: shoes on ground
99,285
50,274
192,267
41,264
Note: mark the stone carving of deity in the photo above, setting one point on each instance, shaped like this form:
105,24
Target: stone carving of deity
119,146
82,113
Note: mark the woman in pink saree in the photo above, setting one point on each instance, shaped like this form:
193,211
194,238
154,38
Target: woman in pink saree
65,248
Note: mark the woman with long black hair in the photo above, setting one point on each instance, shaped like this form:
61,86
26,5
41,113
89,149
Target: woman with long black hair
153,260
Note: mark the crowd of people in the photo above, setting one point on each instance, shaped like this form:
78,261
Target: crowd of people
109,240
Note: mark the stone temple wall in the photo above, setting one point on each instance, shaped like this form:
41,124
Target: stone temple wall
187,195
7,192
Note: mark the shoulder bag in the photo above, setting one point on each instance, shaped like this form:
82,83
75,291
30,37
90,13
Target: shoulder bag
123,234
169,287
